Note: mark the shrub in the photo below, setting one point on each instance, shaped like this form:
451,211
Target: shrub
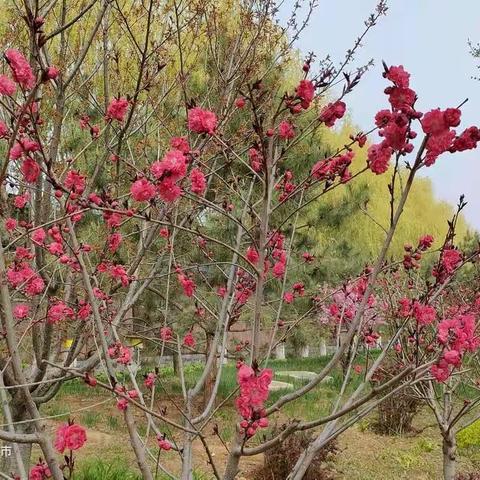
279,461
396,413
469,436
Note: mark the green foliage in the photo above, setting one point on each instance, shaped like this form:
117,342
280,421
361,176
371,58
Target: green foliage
469,436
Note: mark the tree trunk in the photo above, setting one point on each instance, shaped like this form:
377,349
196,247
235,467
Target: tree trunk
187,457
449,456
8,462
210,380
323,347
176,363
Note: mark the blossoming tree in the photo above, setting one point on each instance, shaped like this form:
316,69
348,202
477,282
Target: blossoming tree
124,193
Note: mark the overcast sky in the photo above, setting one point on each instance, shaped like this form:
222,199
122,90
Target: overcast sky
430,38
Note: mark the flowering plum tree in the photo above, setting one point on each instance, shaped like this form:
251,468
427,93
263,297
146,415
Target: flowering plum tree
184,191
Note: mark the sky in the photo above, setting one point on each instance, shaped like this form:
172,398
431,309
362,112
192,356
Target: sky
430,38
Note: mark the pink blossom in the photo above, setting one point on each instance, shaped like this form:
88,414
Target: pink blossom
163,444
305,91
450,259
149,381
142,190
21,70
202,121
308,257
467,140
124,355
70,437
256,159
59,312
424,314
401,99
187,284
117,109
30,170
288,297
254,390
3,130
425,242
7,86
166,334
10,224
440,371
240,102
452,357
173,165
286,130
35,286
40,471
114,241
122,404
21,311
332,112
252,254
39,235
21,200
168,190
75,181
398,76
378,158
198,181
52,72
189,340
279,269
180,143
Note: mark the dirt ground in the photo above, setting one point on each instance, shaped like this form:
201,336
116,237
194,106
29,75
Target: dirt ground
363,454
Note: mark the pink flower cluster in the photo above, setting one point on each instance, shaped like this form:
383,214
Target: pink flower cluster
254,389
163,443
40,471
345,305
244,288
70,436
286,130
166,334
120,353
330,168
286,186
198,181
168,171
149,381
21,276
21,70
298,290
450,259
457,336
58,312
117,109
256,159
305,92
187,283
202,121
189,340
423,314
7,86
394,125
332,112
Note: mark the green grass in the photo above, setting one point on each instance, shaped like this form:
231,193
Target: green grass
116,469
90,419
98,469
